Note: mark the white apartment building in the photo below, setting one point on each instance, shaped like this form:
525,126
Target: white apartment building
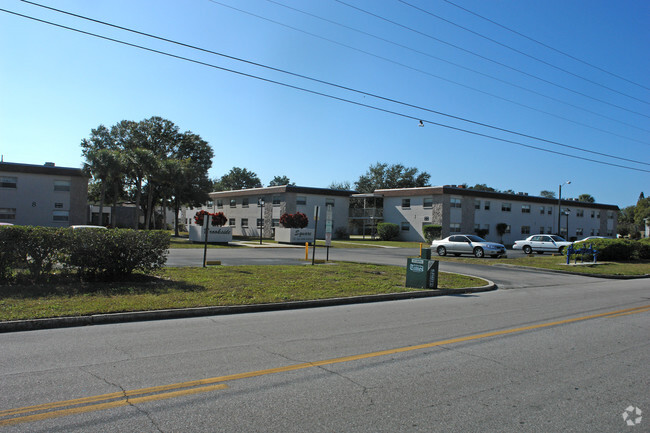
463,210
42,195
247,217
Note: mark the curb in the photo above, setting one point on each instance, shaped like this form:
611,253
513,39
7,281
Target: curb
139,316
559,271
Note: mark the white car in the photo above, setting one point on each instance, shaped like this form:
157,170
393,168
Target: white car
467,244
542,244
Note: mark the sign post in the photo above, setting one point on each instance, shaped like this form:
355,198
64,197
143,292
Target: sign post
313,252
328,231
206,219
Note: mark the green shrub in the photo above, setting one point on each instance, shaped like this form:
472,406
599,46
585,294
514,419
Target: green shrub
10,236
117,253
42,248
431,232
387,231
618,250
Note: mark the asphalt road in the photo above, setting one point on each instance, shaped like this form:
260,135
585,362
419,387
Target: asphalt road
549,352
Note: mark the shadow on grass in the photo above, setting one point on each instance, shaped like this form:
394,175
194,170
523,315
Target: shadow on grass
68,286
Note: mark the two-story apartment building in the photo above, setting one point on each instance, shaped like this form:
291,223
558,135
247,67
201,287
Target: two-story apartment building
247,216
463,210
42,195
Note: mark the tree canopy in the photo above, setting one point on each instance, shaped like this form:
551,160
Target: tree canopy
151,158
237,178
280,180
384,176
586,198
546,193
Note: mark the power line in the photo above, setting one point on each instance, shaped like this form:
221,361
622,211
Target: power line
453,64
520,52
341,87
488,59
436,76
313,92
548,46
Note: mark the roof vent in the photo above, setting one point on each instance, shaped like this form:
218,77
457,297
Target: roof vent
50,164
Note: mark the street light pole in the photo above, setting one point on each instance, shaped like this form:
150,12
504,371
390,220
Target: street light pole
559,206
567,212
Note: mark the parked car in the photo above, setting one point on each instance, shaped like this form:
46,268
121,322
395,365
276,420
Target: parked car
85,226
542,244
467,244
588,238
5,224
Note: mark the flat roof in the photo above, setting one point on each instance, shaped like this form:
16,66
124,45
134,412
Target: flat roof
280,190
451,190
41,169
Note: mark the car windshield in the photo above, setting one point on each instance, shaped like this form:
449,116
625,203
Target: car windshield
558,238
475,238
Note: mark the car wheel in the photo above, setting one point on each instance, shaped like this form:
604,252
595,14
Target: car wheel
442,251
561,250
478,252
527,249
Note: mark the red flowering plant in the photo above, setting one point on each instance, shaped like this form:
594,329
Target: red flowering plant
295,221
218,219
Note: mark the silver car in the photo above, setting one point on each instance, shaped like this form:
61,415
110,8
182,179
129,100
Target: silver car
467,244
542,243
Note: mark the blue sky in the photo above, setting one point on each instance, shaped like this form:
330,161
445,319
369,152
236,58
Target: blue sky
56,85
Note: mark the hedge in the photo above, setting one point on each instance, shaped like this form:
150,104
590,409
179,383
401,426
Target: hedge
387,231
105,254
618,250
432,231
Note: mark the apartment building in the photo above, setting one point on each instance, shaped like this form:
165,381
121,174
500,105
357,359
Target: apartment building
42,195
247,215
463,210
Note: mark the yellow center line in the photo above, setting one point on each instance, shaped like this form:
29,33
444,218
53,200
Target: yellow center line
206,385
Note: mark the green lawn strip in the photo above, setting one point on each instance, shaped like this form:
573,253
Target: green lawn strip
212,286
558,263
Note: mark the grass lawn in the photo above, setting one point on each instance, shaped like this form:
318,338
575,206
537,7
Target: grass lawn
557,262
212,286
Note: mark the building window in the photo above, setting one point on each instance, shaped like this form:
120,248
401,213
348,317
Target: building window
62,185
579,231
244,222
486,205
406,203
454,228
210,203
58,205
507,229
60,215
610,215
329,202
276,200
406,226
428,203
301,200
549,210
233,202
220,204
506,207
8,182
580,213
275,222
525,230
477,227
231,222
477,204
542,210
259,223
593,213
7,213
486,227
455,202
525,208
244,202
610,234
541,230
